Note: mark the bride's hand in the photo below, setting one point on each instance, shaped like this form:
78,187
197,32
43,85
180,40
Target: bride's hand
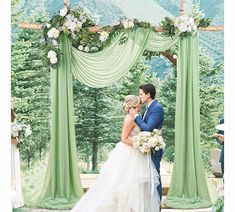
133,111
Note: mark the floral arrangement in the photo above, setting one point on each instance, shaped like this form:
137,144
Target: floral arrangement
219,204
20,132
185,25
75,25
149,141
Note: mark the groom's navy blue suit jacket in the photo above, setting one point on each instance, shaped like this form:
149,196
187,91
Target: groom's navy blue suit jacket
153,120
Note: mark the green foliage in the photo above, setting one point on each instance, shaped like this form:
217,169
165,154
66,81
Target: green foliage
96,124
211,105
30,90
168,27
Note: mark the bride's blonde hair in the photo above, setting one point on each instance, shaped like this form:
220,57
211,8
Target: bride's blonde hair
131,101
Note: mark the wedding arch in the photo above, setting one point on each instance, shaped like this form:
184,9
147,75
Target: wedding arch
62,186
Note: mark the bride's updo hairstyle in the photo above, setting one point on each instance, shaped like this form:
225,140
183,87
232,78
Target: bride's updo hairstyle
131,101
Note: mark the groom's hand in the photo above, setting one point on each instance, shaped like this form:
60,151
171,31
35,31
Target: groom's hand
134,112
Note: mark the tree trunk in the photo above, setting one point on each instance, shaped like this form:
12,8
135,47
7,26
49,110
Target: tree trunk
94,156
182,7
28,162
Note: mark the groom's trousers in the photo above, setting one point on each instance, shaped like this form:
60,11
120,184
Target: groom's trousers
156,158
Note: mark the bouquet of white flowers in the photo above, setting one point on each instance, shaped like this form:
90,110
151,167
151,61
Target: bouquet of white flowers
149,141
20,131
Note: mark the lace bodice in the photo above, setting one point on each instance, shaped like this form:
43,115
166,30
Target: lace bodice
135,131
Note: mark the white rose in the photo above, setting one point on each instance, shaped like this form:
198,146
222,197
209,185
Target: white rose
54,42
145,133
53,60
194,27
51,54
191,21
86,49
175,56
103,36
80,47
53,33
125,24
64,11
182,28
48,25
189,29
130,24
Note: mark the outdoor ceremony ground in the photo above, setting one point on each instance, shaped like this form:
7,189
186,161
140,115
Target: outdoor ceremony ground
166,171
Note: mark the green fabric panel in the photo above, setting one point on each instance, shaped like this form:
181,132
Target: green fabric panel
62,186
111,64
158,42
188,188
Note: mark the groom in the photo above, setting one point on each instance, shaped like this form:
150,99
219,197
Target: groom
152,119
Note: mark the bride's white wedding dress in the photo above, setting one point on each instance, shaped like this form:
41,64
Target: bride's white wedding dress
127,183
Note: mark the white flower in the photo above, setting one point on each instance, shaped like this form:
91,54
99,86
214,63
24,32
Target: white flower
48,25
86,49
64,11
194,27
191,21
175,56
182,28
82,18
51,54
157,148
53,60
79,24
127,24
54,42
80,47
53,33
116,23
103,36
185,24
145,134
70,25
131,24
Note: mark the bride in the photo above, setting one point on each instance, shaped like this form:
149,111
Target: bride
128,179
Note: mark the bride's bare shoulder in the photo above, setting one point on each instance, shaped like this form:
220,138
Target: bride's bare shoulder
129,118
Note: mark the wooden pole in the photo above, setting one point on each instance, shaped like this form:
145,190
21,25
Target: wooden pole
66,3
94,29
182,7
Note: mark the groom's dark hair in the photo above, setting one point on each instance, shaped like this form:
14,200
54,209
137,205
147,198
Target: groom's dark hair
149,88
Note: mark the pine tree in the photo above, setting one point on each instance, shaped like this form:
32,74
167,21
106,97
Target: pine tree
95,125
30,90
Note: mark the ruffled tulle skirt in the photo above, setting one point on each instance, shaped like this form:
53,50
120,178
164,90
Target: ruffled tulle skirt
127,183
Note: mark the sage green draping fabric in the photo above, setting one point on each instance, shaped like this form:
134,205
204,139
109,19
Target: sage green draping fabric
188,188
108,66
62,187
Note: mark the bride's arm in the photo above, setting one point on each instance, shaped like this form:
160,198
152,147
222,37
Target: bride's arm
126,130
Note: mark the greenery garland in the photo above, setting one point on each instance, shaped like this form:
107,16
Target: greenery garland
75,24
